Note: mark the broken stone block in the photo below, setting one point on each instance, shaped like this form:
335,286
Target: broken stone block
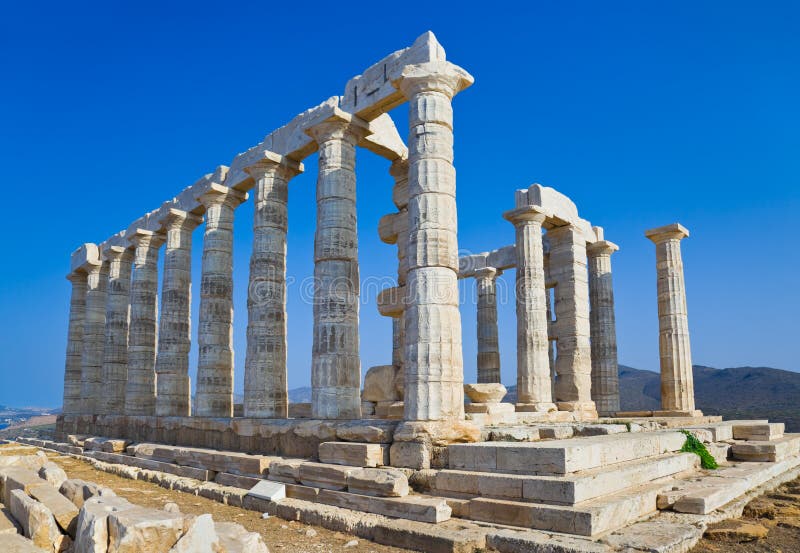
200,537
270,491
14,478
485,393
7,523
379,384
53,474
758,432
63,510
378,482
91,535
354,454
78,491
236,539
37,522
738,531
143,530
235,480
321,475
411,455
285,470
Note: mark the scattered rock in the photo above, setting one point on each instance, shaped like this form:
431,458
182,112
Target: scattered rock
37,522
171,507
200,537
485,393
311,533
351,543
235,539
54,474
143,530
736,531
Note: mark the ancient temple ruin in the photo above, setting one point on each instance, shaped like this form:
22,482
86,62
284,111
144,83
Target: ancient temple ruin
127,365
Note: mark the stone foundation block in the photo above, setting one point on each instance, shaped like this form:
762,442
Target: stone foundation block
63,510
354,454
14,478
770,451
378,482
411,455
270,491
285,470
421,509
37,522
758,432
321,475
140,529
236,481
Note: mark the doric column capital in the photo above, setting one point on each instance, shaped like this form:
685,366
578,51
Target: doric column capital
112,253
391,225
391,301
526,215
487,273
177,219
435,76
215,194
601,247
142,238
77,277
270,163
675,231
340,126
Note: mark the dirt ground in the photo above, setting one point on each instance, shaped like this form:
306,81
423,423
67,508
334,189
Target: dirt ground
770,523
279,535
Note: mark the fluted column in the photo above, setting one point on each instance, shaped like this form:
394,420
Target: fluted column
336,363
173,386
534,389
488,346
677,381
115,351
265,381
72,368
93,337
605,370
140,391
434,363
215,336
574,360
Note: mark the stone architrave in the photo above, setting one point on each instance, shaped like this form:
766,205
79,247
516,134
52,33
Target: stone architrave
140,391
605,370
173,386
72,368
214,396
94,330
534,388
488,346
434,364
335,358
115,351
573,360
265,380
677,381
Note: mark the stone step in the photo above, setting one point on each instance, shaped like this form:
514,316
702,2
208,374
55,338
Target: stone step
150,464
702,495
589,518
569,489
562,456
773,450
411,507
758,432
354,454
209,459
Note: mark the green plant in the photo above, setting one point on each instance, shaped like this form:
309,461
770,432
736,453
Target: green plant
693,445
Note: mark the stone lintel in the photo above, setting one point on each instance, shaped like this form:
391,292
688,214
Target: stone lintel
85,256
675,231
601,247
372,93
501,259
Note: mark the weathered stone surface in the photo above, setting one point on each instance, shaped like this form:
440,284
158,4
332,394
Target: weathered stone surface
285,470
29,462
200,537
605,371
379,384
515,541
53,474
235,539
14,543
7,523
378,482
422,509
37,522
485,393
523,434
775,450
488,361
410,455
658,536
354,454
142,530
271,491
78,491
63,510
15,478
151,464
236,481
321,475
758,432
92,529
738,531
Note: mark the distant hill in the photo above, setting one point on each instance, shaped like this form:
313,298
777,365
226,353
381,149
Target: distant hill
734,393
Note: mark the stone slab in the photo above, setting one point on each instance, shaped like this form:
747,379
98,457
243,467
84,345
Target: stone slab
151,464
378,482
773,450
758,432
7,523
14,478
37,521
139,530
516,541
326,476
285,470
354,454
14,543
562,456
236,481
419,508
64,511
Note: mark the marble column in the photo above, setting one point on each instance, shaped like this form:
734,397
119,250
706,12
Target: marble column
573,360
72,367
335,362
214,396
265,383
115,351
605,369
488,346
173,386
434,363
399,171
140,391
94,331
677,381
534,389
551,340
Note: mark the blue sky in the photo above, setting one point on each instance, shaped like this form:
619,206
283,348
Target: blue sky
645,113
